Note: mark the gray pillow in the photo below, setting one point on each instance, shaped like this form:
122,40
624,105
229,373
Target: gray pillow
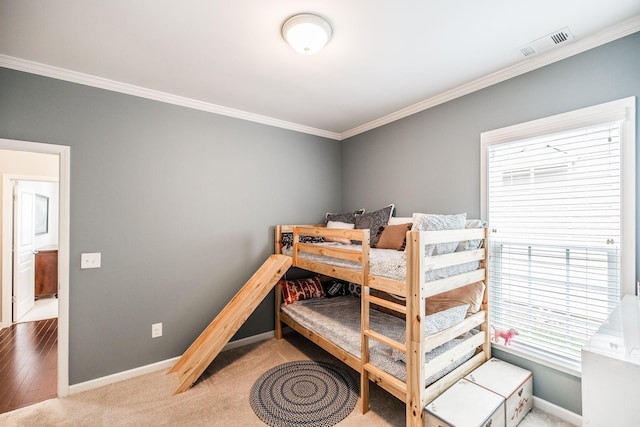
348,217
437,322
433,222
373,221
468,245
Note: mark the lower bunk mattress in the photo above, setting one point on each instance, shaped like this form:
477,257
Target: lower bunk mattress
338,320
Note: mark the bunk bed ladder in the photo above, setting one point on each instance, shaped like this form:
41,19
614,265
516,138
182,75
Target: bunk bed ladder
372,372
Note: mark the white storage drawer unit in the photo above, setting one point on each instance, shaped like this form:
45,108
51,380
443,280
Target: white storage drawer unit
466,404
511,382
611,369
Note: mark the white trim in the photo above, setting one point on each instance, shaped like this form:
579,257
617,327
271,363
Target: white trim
249,340
158,366
64,154
64,260
122,376
620,110
534,356
610,34
558,411
156,95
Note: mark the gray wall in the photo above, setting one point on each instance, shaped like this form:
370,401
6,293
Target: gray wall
430,162
180,203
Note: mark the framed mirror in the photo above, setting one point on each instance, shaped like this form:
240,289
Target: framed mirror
41,214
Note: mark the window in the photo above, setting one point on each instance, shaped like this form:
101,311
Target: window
559,195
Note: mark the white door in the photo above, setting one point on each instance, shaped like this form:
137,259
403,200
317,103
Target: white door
24,253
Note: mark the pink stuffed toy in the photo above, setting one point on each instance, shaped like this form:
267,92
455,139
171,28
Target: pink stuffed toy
507,335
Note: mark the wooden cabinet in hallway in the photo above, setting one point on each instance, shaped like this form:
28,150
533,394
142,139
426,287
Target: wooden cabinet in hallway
46,274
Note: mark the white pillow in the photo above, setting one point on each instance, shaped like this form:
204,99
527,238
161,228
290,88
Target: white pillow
437,322
433,222
397,220
338,224
342,225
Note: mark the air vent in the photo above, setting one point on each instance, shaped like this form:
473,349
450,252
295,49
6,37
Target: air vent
560,37
527,51
547,42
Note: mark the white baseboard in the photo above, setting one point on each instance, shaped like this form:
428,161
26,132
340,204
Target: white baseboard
558,411
249,340
121,376
158,366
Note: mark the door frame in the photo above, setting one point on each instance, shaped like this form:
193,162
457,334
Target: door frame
64,154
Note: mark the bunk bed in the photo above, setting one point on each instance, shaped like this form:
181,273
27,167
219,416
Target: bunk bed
395,345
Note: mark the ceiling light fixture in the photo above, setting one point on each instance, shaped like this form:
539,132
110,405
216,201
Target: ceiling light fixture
306,33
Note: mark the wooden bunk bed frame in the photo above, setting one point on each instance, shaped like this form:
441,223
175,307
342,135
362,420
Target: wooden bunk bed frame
415,395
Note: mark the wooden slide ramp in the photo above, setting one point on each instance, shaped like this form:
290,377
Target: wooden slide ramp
213,339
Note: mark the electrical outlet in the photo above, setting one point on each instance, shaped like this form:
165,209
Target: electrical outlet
156,330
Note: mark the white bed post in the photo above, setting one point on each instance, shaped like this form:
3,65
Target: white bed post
415,336
485,299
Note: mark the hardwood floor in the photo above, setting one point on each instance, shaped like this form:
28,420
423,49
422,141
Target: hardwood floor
28,363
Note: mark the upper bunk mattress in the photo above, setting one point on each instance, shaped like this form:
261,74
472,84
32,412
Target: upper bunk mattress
388,263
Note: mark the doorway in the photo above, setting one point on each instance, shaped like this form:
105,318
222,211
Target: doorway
35,241
24,149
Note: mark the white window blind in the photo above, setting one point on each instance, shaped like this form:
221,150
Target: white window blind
554,205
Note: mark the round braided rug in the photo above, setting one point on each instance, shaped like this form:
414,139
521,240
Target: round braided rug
304,393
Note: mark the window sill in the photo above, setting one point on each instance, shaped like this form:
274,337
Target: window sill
540,358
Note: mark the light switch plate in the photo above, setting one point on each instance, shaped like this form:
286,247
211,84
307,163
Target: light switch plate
90,260
156,330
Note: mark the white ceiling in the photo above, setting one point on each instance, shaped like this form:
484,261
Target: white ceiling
386,59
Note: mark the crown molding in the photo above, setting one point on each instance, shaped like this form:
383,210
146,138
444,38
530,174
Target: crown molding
115,86
615,32
610,34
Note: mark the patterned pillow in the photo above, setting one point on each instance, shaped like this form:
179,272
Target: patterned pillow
287,240
301,289
435,323
311,239
373,221
348,217
335,288
355,289
432,222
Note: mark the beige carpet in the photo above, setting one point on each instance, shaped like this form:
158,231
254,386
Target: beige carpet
220,398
